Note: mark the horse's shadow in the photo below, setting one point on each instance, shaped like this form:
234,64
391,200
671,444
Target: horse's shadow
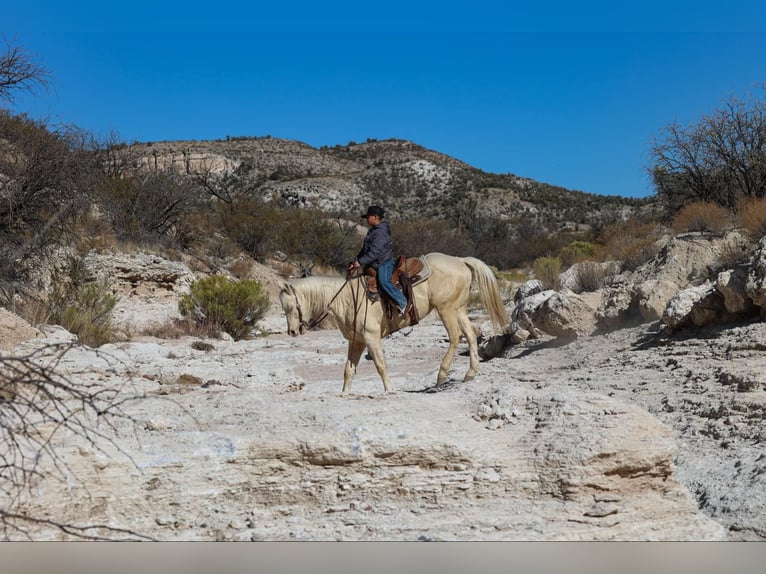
449,384
541,345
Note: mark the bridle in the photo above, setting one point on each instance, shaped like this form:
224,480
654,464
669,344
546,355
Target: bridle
301,321
323,315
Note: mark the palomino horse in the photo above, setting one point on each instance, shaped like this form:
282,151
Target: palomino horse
364,323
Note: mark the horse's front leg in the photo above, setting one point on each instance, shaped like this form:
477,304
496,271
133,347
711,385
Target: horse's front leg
375,347
355,350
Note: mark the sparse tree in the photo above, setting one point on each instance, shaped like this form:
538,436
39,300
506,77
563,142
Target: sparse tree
45,175
721,159
19,71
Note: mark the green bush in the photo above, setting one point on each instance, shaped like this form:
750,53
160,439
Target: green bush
217,303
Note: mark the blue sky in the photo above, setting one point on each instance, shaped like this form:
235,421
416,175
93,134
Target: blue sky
568,93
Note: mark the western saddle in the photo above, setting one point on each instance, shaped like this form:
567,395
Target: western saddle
407,273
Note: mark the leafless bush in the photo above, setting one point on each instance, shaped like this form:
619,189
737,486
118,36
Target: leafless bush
41,191
36,404
414,238
301,235
150,206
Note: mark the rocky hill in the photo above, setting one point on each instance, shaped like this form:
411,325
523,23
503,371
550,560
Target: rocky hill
410,180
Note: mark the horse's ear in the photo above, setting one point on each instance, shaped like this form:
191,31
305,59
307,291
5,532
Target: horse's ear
285,287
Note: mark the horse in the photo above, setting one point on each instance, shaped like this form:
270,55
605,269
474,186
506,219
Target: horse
306,302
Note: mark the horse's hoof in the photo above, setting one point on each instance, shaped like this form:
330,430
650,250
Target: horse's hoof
469,378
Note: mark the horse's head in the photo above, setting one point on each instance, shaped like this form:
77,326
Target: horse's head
296,323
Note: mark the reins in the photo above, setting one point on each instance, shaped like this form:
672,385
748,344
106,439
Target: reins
323,315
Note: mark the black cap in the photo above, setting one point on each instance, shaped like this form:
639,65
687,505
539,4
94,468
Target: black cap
374,210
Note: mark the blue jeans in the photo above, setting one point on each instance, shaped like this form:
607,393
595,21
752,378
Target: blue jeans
384,282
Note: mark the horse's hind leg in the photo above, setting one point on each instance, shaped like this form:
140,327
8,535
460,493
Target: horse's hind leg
354,354
473,351
449,318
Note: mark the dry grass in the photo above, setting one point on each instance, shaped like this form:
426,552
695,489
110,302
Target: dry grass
241,268
751,214
592,276
702,216
632,242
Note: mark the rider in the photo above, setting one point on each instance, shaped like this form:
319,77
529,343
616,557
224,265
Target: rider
377,252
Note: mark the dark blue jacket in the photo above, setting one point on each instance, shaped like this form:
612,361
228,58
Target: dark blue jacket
378,247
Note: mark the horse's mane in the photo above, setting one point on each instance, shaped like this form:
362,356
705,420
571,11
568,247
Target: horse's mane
316,291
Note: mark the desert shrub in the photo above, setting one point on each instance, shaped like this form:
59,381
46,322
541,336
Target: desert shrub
220,304
241,267
301,235
732,255
88,314
251,223
547,270
701,216
83,307
577,251
43,175
307,235
633,242
418,237
150,206
523,252
751,214
592,276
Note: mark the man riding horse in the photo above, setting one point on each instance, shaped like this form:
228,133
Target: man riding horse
377,253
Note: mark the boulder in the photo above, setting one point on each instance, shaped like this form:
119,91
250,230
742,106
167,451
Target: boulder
755,285
695,306
14,330
652,298
148,286
617,309
732,285
691,258
568,315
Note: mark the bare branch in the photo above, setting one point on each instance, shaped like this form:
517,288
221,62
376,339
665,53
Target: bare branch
19,72
37,403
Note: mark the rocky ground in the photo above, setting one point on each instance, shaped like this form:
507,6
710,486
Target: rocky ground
627,436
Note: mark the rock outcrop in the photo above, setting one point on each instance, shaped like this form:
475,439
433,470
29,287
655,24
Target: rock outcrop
681,287
251,441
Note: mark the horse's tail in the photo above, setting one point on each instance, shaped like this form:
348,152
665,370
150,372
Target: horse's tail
484,279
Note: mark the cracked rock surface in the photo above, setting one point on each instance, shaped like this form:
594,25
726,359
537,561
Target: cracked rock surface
626,436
